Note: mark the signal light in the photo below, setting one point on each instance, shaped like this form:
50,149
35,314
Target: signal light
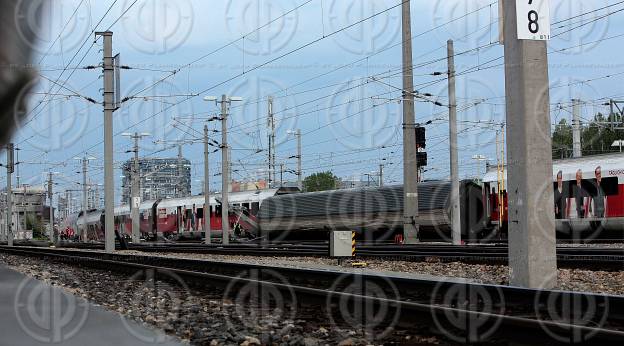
421,159
421,140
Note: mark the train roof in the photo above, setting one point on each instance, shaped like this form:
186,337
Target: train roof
93,216
122,210
611,165
234,197
432,195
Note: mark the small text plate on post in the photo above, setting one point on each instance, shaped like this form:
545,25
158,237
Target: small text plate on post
136,202
533,18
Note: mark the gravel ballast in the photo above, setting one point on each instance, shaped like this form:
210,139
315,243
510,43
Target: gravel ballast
207,316
607,282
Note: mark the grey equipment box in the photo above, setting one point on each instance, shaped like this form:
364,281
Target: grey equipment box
340,244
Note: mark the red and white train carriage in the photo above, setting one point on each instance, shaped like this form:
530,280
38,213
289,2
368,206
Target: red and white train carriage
184,217
589,196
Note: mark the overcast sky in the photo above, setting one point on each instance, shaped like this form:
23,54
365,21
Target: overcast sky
350,117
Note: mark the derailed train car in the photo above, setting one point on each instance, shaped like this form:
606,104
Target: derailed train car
374,213
175,218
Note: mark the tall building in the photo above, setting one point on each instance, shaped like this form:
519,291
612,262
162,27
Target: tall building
29,206
159,178
95,197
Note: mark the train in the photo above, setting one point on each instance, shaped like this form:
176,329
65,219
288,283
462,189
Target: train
174,218
375,213
588,197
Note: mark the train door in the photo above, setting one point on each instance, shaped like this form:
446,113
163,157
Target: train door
200,218
154,220
179,220
218,219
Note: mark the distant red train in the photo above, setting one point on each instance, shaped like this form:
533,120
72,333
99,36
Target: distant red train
588,197
175,217
588,203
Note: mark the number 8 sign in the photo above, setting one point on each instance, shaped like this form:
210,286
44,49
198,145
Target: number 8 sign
533,17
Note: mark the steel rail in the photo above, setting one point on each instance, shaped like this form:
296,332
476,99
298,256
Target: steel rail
417,299
569,257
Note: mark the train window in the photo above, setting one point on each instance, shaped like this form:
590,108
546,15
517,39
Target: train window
246,206
218,211
255,206
200,213
609,186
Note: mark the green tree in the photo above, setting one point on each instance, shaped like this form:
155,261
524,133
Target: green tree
321,181
562,140
34,224
597,136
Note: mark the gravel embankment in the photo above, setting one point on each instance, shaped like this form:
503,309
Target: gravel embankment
568,279
206,316
595,245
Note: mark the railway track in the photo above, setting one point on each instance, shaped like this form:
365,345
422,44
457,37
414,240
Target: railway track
567,257
460,310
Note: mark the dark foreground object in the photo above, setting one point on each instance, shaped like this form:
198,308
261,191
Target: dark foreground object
35,313
460,310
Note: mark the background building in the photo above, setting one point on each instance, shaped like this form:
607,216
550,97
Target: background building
159,178
30,211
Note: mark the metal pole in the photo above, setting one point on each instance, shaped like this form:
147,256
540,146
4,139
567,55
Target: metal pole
281,174
179,170
225,174
532,246
612,118
271,143
109,107
576,129
10,167
381,167
51,228
410,168
67,203
18,224
299,158
206,188
455,216
84,198
136,198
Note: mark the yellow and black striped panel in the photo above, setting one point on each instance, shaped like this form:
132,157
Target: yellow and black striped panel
352,244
